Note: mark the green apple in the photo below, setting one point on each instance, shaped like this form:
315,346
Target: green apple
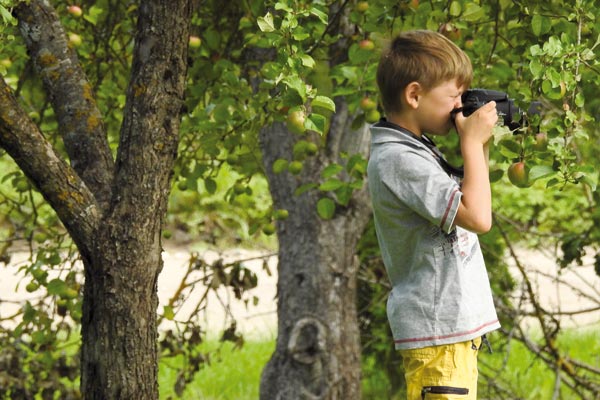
311,149
281,214
6,62
367,104
295,121
541,141
75,11
295,167
32,287
195,42
372,116
268,229
75,40
366,44
362,6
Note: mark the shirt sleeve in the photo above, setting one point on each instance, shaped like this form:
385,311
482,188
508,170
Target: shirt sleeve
414,176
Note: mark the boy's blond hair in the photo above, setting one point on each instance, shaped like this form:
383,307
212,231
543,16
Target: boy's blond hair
422,56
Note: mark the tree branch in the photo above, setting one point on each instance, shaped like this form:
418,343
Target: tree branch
79,119
150,132
66,193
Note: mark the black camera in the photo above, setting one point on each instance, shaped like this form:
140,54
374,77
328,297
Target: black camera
512,116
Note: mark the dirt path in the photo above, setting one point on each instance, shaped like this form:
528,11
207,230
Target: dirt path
253,320
572,292
569,291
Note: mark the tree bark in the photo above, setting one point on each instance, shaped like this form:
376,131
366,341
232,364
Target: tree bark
119,353
317,355
113,211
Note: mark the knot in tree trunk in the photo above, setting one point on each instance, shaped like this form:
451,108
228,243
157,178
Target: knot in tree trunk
307,340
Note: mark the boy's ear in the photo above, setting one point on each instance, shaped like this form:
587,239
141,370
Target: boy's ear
412,94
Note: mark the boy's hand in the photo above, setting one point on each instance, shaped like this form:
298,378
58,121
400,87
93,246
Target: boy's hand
479,125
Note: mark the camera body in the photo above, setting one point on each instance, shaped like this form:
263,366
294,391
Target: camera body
511,115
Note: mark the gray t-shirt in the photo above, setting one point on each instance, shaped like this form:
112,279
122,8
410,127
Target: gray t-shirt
440,287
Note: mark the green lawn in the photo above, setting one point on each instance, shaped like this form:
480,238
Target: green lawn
234,374
530,377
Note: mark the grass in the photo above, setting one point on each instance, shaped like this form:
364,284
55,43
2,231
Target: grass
233,374
529,376
236,373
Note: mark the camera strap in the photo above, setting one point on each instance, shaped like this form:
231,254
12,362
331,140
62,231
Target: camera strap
446,166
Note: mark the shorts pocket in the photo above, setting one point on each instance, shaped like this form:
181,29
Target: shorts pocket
451,390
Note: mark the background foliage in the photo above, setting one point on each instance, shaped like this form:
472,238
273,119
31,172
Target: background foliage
535,51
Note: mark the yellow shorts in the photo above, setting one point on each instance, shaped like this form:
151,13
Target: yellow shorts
447,372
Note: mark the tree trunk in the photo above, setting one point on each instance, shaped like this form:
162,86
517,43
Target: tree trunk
317,355
119,352
112,210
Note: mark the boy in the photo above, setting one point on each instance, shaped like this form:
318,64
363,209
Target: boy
441,304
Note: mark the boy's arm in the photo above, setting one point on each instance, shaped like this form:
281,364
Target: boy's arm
475,208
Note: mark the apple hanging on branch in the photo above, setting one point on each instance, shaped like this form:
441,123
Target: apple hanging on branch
367,104
362,6
194,42
75,10
541,141
451,31
295,121
518,174
366,44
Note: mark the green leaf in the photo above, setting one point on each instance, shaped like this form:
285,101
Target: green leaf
7,17
536,68
92,14
324,102
316,122
212,39
552,182
305,188
191,183
591,182
221,112
540,171
296,84
331,184
29,312
540,25
210,185
496,175
307,61
168,313
331,170
535,50
326,208
510,148
300,34
455,8
473,12
282,6
266,23
319,14
344,194
579,100
56,286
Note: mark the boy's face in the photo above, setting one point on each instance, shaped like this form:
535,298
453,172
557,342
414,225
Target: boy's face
435,105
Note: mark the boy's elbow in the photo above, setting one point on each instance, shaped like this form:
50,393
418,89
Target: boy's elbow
482,225
479,224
